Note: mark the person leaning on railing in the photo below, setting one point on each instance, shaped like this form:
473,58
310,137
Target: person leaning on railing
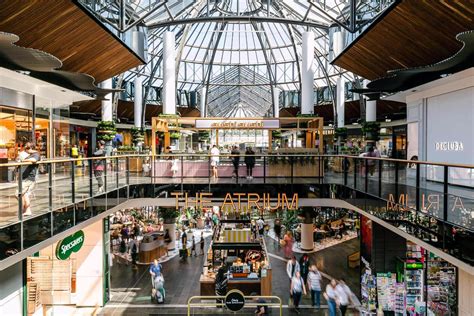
99,165
28,177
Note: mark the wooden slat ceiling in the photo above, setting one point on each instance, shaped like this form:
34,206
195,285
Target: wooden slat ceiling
125,110
61,28
414,33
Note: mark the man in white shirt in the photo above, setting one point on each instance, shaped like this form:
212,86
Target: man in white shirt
343,294
260,225
215,152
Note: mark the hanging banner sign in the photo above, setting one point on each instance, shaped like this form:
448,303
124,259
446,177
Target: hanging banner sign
70,244
237,124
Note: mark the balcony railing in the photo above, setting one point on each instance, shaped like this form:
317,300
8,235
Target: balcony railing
68,192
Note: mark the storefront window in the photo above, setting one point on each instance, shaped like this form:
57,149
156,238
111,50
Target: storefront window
15,130
61,136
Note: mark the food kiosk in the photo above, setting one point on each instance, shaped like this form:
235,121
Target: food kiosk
237,248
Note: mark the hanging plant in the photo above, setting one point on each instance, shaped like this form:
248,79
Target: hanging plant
138,135
276,134
371,130
175,135
340,132
203,136
106,130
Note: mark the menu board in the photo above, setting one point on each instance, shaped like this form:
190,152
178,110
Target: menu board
386,290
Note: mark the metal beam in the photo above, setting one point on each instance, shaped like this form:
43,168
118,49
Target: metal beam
236,18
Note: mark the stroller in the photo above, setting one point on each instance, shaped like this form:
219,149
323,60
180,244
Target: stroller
158,292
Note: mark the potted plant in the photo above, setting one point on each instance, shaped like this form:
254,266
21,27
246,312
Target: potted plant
138,135
175,135
340,132
371,130
203,136
106,131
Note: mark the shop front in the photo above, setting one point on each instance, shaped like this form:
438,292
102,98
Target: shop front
400,277
69,275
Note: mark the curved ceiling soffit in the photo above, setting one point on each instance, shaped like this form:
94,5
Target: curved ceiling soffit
404,79
44,66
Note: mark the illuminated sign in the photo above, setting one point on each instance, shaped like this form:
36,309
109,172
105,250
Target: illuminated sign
429,202
236,202
414,265
449,146
237,124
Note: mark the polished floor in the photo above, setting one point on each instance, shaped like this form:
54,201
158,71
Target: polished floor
131,288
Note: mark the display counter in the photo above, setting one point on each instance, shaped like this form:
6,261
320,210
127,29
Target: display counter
152,247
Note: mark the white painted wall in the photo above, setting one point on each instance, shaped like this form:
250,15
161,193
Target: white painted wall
466,293
11,290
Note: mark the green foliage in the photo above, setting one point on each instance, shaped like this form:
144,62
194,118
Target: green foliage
138,134
371,130
106,130
204,135
306,115
175,135
126,148
340,132
276,134
137,215
168,213
290,219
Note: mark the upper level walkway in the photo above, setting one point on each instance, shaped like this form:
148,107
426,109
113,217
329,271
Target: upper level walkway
432,200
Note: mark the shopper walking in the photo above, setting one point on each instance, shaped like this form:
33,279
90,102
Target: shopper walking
193,247
155,271
28,177
277,230
314,285
288,244
330,295
215,152
99,166
261,225
221,284
249,162
304,267
235,161
297,290
292,266
201,243
343,295
133,249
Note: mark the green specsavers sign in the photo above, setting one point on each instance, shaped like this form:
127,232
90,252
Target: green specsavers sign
70,244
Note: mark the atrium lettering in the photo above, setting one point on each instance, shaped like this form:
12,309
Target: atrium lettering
449,146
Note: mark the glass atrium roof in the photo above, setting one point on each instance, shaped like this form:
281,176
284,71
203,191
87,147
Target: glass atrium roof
244,45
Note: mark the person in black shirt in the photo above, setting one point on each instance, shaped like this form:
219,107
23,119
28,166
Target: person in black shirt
235,160
28,177
249,161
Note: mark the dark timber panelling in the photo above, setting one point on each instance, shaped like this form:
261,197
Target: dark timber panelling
414,33
386,247
61,28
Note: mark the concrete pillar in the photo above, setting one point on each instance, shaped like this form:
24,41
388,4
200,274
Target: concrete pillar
202,102
107,108
371,110
340,101
276,102
169,73
307,238
138,102
307,74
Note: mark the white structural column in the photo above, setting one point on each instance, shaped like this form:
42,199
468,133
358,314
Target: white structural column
137,102
337,43
169,73
340,101
370,108
107,109
276,102
307,74
202,102
307,238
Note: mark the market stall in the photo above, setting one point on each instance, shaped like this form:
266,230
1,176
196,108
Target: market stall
236,248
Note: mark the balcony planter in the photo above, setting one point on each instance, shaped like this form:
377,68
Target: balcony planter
371,130
203,136
175,135
340,132
138,135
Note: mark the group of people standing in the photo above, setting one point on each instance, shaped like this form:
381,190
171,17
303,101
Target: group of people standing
305,277
249,160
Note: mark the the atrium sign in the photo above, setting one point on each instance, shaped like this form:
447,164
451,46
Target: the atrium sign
70,244
237,124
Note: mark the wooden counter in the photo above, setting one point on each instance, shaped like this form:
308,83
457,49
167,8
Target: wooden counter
152,250
261,286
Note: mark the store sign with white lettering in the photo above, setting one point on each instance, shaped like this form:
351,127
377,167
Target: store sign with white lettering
235,300
237,124
70,244
449,146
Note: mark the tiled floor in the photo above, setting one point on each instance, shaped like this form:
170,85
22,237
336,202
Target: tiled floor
131,288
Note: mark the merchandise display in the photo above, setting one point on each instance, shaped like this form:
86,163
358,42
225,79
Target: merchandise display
386,290
368,290
414,277
441,283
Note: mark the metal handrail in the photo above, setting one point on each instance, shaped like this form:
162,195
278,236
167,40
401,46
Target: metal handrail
278,304
276,155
